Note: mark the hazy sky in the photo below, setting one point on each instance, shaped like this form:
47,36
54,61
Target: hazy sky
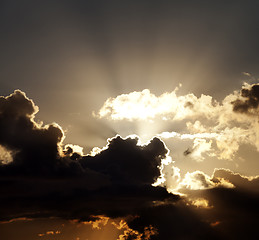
73,55
183,73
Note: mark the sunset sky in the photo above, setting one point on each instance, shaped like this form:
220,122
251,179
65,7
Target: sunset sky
128,120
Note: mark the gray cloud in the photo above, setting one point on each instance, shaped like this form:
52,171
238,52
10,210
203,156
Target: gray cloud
249,100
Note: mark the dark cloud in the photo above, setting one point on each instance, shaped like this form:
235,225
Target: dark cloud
175,221
239,181
34,148
45,180
128,162
233,212
249,101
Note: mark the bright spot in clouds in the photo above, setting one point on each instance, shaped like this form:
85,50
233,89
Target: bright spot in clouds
128,166
201,203
215,128
145,105
5,156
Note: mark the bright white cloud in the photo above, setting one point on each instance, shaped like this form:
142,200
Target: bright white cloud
169,175
200,146
196,180
145,105
214,128
172,180
75,148
200,143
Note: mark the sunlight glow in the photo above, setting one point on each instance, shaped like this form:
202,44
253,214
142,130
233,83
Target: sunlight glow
201,203
199,119
75,148
145,105
5,155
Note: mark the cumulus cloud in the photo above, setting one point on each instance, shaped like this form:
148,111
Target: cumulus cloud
197,180
116,182
170,106
250,183
145,105
217,128
201,143
229,207
222,201
44,178
209,213
248,101
29,143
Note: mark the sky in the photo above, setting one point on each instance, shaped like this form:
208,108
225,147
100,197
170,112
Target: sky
129,120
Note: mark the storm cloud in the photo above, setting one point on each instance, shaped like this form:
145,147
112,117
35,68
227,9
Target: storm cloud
33,147
249,100
44,178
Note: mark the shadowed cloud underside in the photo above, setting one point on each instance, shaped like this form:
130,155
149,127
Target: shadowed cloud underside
46,178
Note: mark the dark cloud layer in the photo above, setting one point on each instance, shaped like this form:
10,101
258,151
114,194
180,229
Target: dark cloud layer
249,101
45,180
128,162
34,148
232,212
174,222
239,181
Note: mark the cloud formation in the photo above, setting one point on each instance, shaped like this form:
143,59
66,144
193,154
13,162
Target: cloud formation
44,178
221,202
231,211
145,105
216,128
248,101
33,147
